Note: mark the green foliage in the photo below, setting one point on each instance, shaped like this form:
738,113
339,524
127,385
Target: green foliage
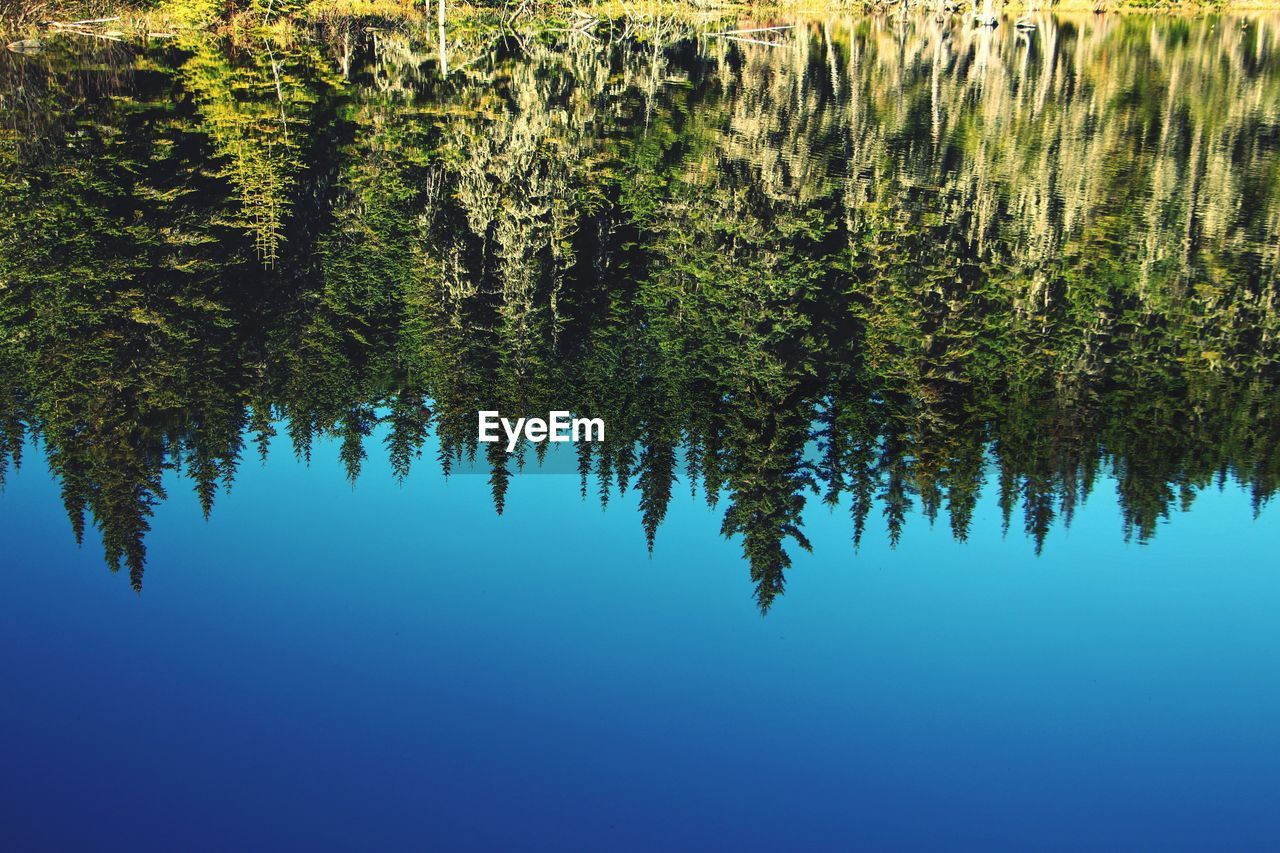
882,266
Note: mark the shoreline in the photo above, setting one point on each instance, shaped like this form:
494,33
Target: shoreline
129,23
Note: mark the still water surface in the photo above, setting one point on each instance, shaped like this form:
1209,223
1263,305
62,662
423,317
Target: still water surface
953,353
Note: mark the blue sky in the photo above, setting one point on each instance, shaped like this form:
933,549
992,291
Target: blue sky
395,665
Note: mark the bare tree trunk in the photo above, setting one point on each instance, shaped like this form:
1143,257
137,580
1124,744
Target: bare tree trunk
444,50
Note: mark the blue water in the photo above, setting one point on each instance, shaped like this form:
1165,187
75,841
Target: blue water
395,667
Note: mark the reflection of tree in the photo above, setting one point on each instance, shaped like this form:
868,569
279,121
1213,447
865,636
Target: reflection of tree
874,264
254,100
121,316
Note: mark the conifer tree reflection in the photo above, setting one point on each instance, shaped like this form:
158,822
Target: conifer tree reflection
889,263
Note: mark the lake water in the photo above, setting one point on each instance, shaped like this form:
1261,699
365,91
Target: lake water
941,375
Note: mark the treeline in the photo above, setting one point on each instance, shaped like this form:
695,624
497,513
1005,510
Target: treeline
141,17
881,265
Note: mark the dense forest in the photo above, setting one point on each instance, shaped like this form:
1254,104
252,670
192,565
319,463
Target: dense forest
151,19
876,263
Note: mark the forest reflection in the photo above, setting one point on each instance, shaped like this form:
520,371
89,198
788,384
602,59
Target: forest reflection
875,264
